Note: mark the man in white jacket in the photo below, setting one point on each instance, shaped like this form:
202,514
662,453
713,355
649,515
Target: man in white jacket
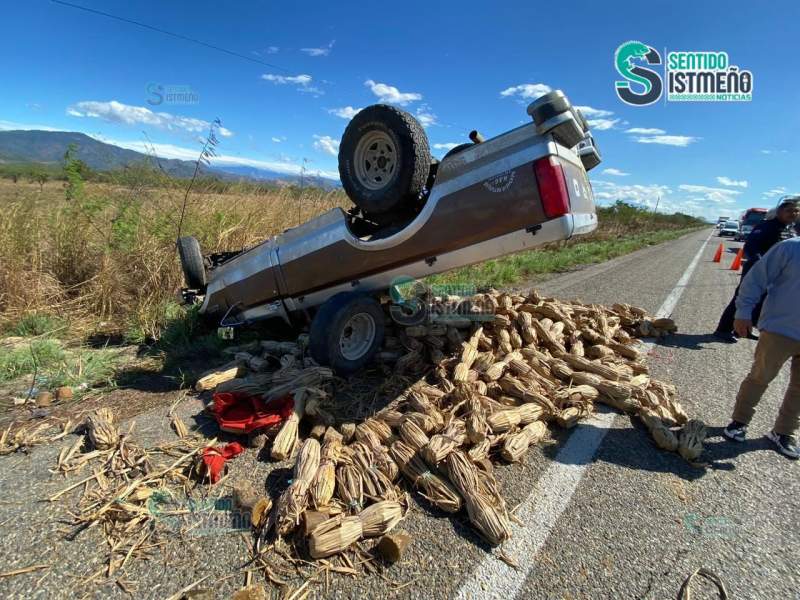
777,274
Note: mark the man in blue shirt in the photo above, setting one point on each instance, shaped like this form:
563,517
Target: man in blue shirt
777,274
763,237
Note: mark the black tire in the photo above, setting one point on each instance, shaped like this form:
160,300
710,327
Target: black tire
405,180
194,271
330,324
456,150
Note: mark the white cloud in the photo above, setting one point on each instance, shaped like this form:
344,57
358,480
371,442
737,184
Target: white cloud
302,81
667,140
324,51
273,50
602,124
615,172
594,113
117,112
774,151
284,166
598,118
645,131
346,112
286,80
425,116
446,146
325,143
390,94
732,182
278,139
527,91
13,125
774,192
646,195
711,194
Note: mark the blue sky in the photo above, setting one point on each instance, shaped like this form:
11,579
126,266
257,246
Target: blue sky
457,65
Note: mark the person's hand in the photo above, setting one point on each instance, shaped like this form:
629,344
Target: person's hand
742,327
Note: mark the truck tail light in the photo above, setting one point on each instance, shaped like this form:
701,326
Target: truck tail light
552,187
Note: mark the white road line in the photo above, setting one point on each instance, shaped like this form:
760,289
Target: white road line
550,497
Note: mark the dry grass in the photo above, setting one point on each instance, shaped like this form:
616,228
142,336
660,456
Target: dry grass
107,261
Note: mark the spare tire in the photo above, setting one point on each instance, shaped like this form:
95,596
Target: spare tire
194,270
384,159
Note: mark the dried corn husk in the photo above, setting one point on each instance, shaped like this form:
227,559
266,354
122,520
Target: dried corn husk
211,379
503,420
480,451
412,435
380,518
434,488
102,429
580,363
488,519
690,440
374,430
334,536
291,504
453,436
324,482
516,445
284,443
350,487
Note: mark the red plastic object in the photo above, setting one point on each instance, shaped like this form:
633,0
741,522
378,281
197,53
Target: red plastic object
240,413
214,459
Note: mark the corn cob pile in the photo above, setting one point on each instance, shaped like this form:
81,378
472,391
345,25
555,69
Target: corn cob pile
486,388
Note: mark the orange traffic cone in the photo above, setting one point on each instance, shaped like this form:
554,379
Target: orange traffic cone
737,262
718,255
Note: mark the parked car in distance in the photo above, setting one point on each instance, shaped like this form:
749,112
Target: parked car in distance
750,218
744,231
729,228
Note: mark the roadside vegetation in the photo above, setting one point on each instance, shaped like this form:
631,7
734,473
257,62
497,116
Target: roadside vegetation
622,229
88,260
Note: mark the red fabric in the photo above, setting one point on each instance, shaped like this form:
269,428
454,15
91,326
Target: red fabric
214,459
239,412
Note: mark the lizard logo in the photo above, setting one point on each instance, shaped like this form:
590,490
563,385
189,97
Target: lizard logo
649,80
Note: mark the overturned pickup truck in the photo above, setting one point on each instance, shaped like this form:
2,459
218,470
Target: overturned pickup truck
413,217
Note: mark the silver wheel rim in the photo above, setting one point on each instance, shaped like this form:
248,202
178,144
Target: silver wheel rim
375,160
357,336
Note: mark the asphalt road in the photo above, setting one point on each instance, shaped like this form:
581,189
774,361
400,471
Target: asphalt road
604,513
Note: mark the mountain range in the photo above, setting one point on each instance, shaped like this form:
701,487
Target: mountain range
48,148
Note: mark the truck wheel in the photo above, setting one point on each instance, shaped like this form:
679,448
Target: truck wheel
346,332
194,271
384,159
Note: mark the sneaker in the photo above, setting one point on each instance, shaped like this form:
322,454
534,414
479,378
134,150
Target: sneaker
785,444
735,431
725,336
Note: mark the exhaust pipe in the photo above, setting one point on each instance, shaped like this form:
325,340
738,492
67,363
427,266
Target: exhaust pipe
476,137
